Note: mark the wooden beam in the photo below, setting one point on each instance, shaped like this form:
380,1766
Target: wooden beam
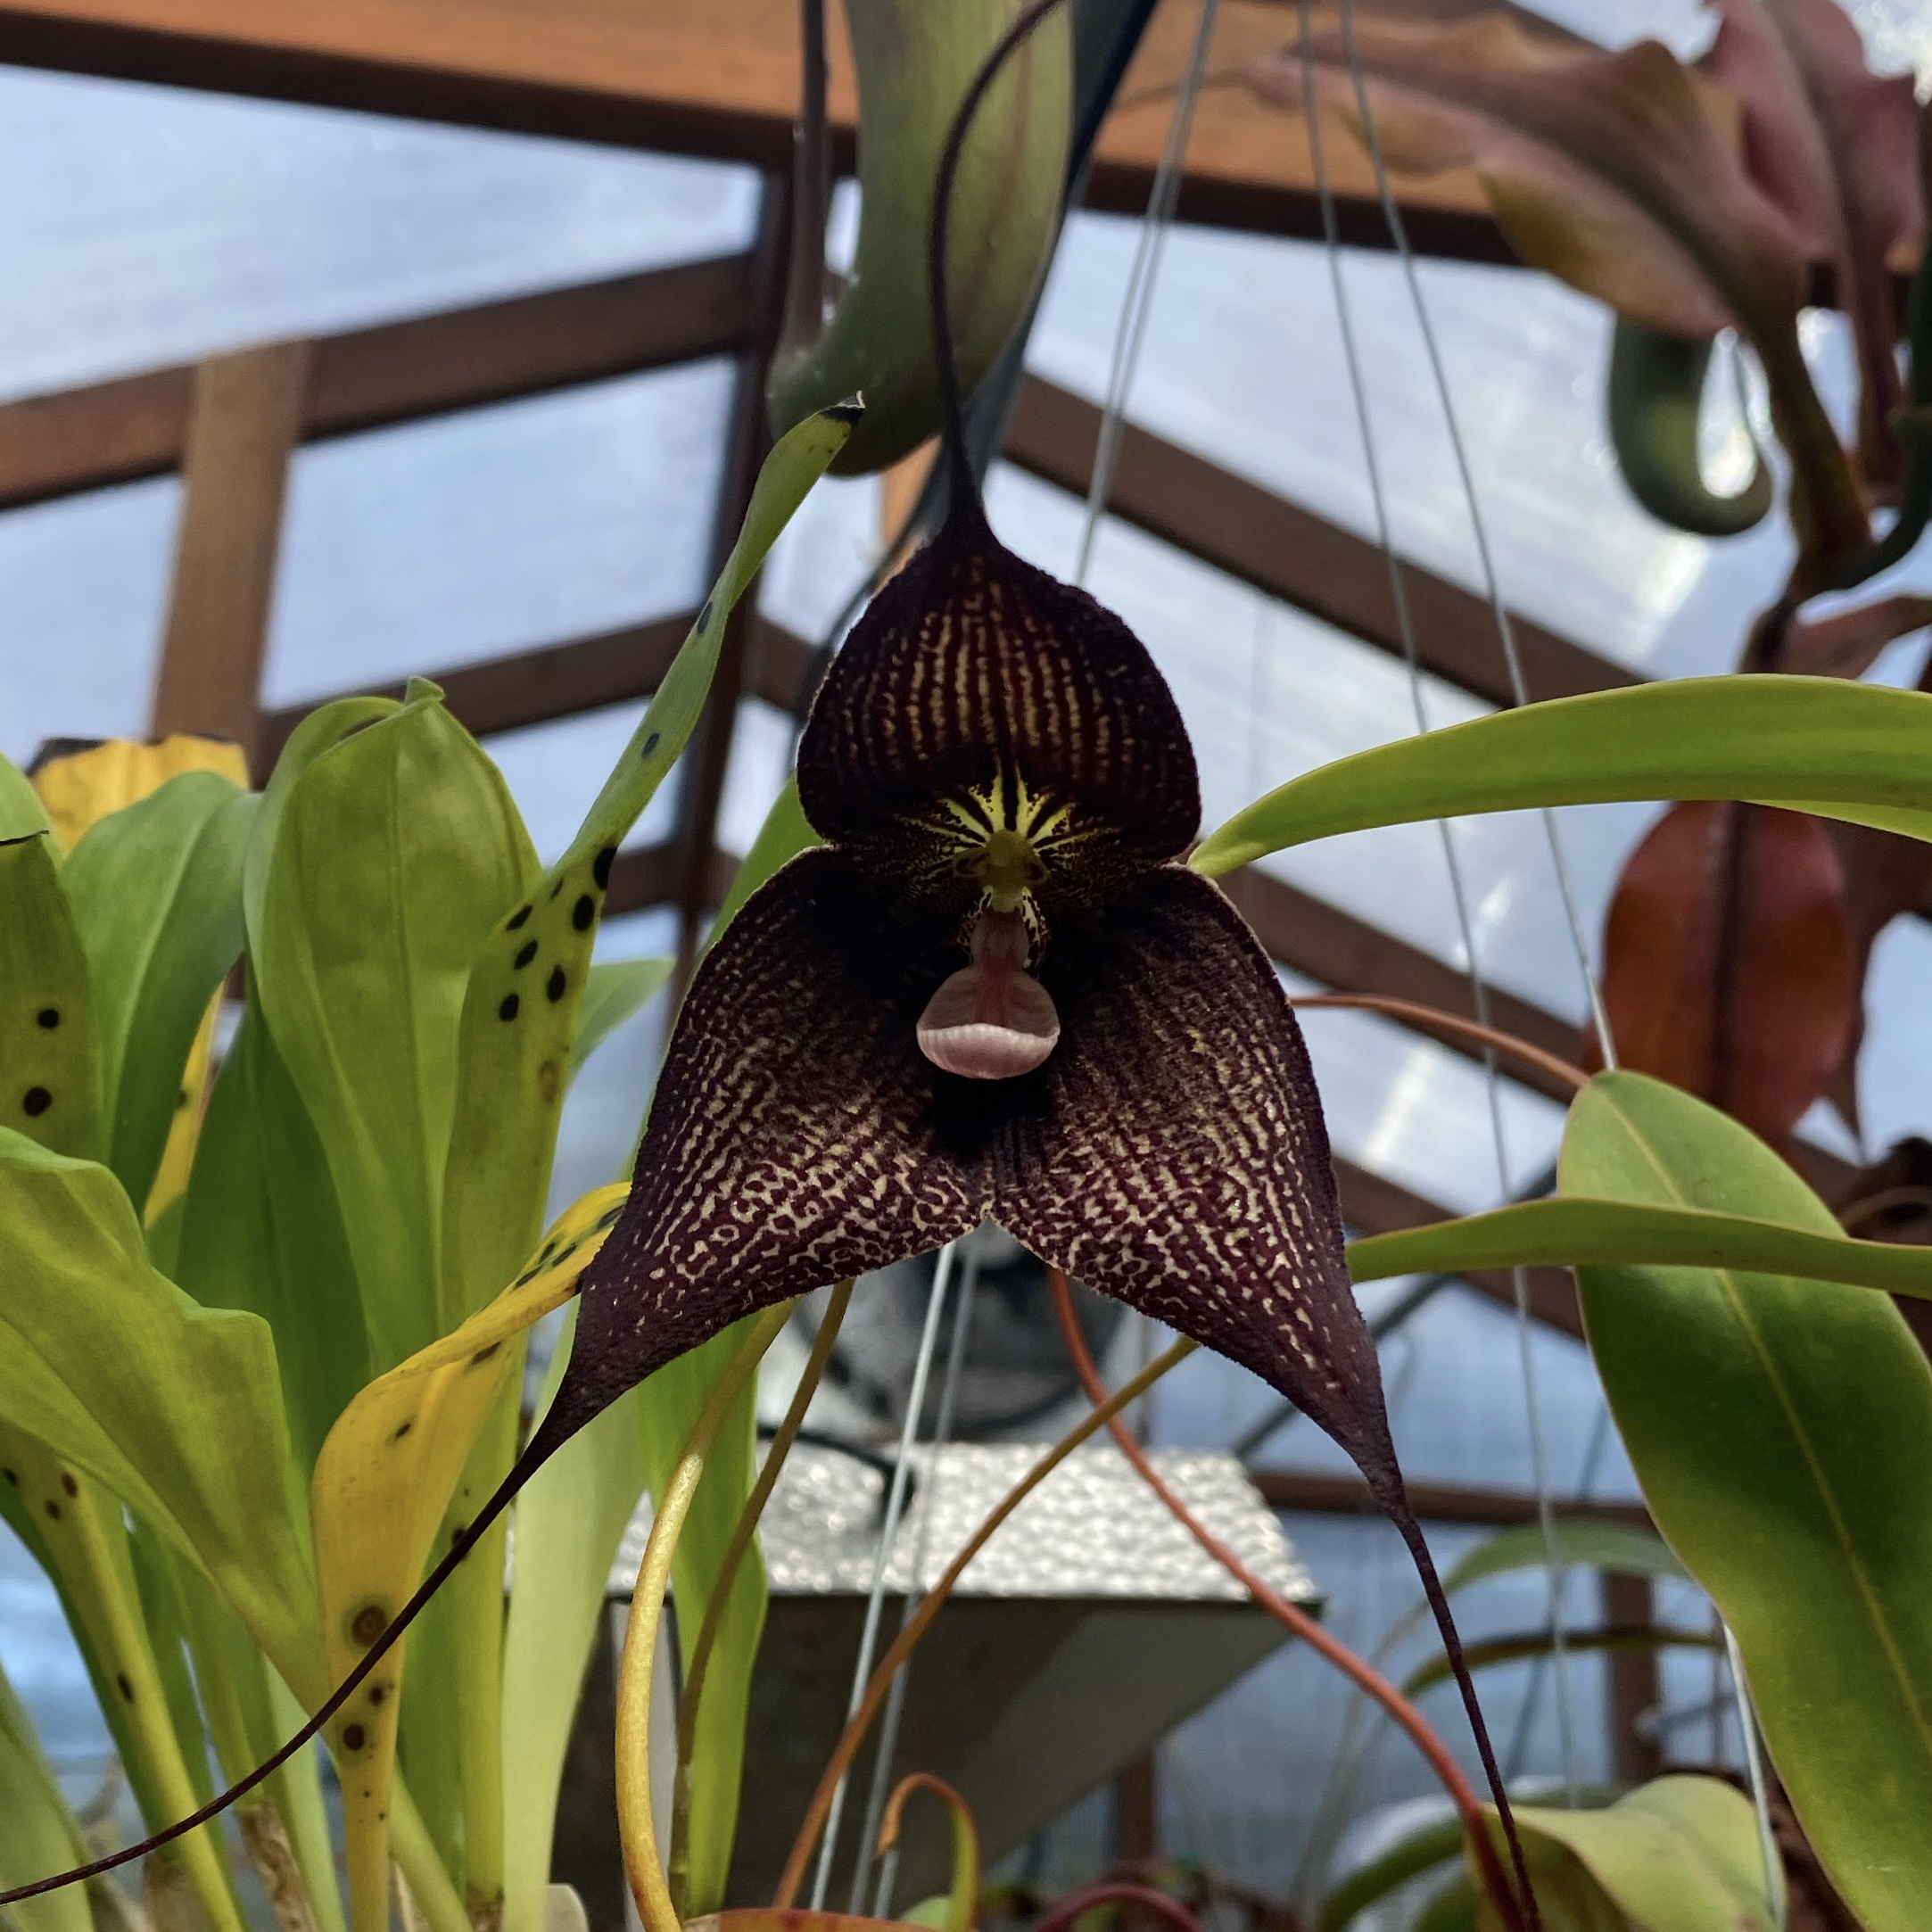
1316,1495
116,432
505,694
722,81
1338,950
1291,553
242,424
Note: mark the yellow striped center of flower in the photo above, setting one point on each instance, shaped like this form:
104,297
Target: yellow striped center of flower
1002,836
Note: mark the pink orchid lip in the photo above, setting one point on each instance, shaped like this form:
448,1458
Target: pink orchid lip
991,1021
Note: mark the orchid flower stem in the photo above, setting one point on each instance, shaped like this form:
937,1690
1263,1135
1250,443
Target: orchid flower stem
920,1620
1448,1022
1358,1671
699,1661
636,1827
1072,1909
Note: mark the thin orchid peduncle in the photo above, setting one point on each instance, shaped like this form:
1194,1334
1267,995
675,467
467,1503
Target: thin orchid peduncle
1357,1670
962,494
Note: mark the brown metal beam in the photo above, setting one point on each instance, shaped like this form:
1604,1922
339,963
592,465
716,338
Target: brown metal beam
1291,553
1434,1502
116,432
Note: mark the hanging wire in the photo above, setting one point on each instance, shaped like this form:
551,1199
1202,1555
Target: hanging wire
888,1531
894,1711
1458,891
1753,1765
1137,304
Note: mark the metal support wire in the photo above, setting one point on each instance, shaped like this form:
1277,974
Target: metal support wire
889,1530
894,1711
1137,303
1465,925
1753,1764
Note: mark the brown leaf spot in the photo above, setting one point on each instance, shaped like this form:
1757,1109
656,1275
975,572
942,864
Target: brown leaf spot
370,1621
507,1010
48,1017
53,1509
483,1355
353,1738
401,1430
549,1082
35,1102
601,867
554,987
525,953
583,911
68,1484
123,1686
517,918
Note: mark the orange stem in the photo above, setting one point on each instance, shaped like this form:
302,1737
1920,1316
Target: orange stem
1416,1013
1292,1615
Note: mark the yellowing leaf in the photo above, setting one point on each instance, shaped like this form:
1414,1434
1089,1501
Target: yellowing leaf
384,1477
79,787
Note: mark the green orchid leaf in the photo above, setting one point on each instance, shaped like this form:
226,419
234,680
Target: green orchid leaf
1782,1432
395,852
156,890
1576,1542
614,990
78,1535
800,457
1520,1645
914,63
529,972
1848,751
1568,1231
673,1400
571,1517
21,812
49,1060
1677,1854
262,1229
39,1834
321,731
1423,1850
173,1407
783,835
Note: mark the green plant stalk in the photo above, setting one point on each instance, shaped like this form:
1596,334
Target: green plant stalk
699,1661
476,1604
85,1551
416,1857
636,1828
426,1747
302,1809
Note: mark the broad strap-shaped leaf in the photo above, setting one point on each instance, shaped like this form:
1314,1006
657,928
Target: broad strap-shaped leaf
614,992
1845,751
1782,1432
76,1533
22,810
394,854
40,1835
1677,1854
1583,1542
381,1486
571,1517
1612,171
175,1408
156,890
50,1071
976,681
262,1230
1577,1230
914,63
